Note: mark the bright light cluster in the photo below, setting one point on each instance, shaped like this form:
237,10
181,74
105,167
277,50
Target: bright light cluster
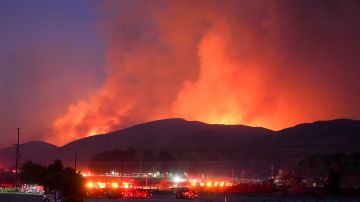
114,185
209,183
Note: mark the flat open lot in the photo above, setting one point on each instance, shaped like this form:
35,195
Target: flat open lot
223,198
157,198
13,197
17,197
168,197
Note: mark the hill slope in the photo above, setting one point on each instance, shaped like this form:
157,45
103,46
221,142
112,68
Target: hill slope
220,142
35,150
333,136
169,135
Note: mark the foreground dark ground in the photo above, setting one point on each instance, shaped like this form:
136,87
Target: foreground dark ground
12,197
7,197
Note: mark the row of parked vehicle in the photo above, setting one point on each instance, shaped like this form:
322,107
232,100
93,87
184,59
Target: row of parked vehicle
185,193
118,193
180,193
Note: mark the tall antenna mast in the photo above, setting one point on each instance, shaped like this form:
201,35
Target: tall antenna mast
75,162
17,158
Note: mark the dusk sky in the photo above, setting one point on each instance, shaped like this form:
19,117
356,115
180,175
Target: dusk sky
70,69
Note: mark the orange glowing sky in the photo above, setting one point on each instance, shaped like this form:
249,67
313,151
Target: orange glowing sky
239,62
273,64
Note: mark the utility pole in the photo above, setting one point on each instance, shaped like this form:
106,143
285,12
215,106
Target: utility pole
17,158
146,181
299,175
121,174
232,176
75,163
272,168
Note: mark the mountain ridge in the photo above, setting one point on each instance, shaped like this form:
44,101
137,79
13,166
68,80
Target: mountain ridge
237,142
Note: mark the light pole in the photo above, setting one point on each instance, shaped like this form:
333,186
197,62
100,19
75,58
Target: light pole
17,158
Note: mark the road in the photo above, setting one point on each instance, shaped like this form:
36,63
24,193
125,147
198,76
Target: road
162,198
18,197
11,197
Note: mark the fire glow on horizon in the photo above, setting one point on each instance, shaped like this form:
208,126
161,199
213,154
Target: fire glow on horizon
240,62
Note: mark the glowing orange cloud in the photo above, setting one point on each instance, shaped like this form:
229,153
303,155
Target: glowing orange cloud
225,90
84,118
238,62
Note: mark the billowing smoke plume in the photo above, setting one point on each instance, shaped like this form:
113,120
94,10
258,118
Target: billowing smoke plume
264,63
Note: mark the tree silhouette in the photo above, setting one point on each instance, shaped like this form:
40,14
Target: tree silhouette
53,177
32,173
333,182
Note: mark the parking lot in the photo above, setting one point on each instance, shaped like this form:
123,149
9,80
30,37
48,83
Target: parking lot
18,197
13,197
165,198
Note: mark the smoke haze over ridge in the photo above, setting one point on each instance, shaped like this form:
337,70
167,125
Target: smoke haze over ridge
71,69
262,63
